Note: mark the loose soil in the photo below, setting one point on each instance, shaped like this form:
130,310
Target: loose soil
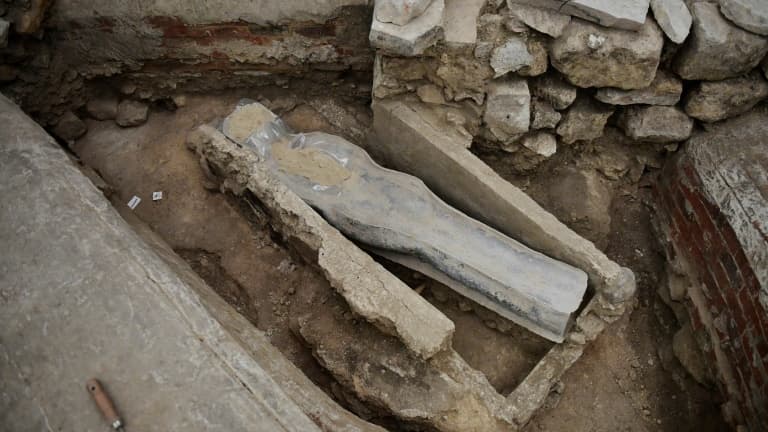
620,384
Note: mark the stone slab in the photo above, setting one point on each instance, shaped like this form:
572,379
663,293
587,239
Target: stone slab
673,17
84,296
460,25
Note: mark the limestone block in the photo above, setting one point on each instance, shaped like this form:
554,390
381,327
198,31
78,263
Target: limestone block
399,12
70,127
623,14
555,90
413,38
508,109
131,113
717,49
750,15
713,101
102,108
659,124
664,90
593,56
431,94
547,21
540,61
542,143
584,121
544,116
461,22
673,17
510,56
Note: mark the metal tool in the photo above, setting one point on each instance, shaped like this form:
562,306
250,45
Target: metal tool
104,403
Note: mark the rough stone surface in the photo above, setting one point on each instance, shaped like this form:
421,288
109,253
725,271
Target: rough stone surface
656,124
584,121
131,113
508,109
713,101
431,94
407,142
371,291
547,21
622,14
750,15
399,12
70,127
593,56
461,22
510,56
673,17
542,143
554,90
544,116
413,38
538,51
100,302
103,108
717,49
688,353
664,90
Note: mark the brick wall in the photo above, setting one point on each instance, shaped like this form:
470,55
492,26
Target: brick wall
712,200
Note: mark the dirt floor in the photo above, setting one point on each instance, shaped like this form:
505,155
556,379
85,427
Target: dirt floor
627,380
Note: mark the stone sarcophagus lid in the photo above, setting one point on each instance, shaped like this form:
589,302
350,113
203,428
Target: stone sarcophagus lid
396,216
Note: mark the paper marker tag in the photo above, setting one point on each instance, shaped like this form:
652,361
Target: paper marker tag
134,202
157,196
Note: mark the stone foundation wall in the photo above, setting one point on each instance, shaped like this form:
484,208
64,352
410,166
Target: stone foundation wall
713,207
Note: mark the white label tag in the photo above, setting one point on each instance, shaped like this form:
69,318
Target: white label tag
157,196
134,202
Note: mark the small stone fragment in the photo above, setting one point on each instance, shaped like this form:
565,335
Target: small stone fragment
510,56
540,59
131,113
179,100
70,127
660,124
584,121
508,109
750,15
431,94
673,17
623,59
103,108
553,89
542,143
399,12
413,38
717,49
664,90
5,27
713,101
544,116
543,20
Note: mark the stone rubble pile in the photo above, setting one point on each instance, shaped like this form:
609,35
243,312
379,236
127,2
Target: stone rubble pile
532,76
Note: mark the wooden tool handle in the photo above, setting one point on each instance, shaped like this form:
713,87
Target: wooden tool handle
104,403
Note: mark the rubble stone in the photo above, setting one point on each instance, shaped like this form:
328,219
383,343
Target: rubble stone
659,124
540,61
554,90
584,121
673,17
461,22
70,127
399,12
103,108
623,59
131,113
717,49
464,76
543,20
688,353
750,15
510,56
713,101
413,38
664,90
542,143
431,94
622,14
544,116
508,109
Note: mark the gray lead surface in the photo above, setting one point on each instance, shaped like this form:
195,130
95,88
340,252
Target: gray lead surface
398,217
